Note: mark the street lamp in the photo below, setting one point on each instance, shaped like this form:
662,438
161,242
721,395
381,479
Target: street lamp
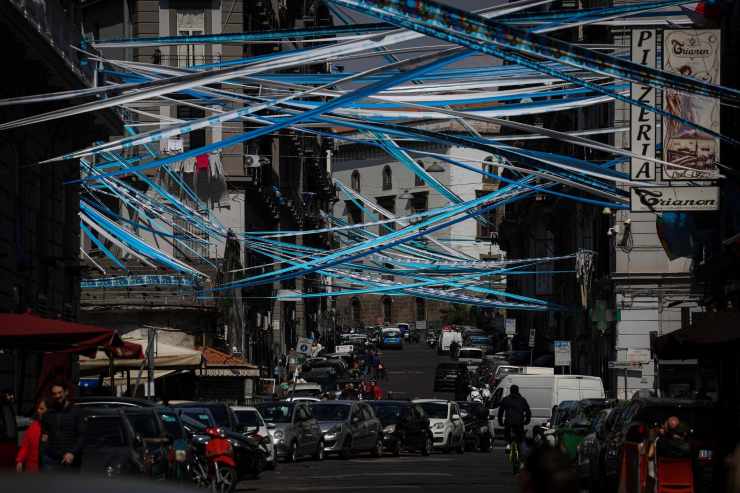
435,167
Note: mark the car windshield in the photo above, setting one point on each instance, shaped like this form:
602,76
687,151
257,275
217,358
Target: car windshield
388,414
144,424
470,353
169,420
391,333
220,414
277,413
435,410
102,432
248,418
330,412
200,416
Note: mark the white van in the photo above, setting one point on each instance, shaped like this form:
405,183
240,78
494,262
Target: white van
446,338
545,391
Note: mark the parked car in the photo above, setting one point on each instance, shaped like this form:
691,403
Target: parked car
251,422
445,421
572,431
547,431
110,402
450,376
111,447
472,357
297,433
147,425
642,414
348,427
391,338
545,391
220,411
199,414
477,433
405,426
308,389
590,453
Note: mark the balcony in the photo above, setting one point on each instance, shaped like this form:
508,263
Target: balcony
185,60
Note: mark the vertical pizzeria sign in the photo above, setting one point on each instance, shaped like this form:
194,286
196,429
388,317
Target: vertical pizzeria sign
695,54
642,122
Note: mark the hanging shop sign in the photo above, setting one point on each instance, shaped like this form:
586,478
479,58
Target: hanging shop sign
695,54
674,199
562,352
643,122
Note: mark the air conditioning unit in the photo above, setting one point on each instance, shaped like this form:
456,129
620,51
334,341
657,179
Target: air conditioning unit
252,161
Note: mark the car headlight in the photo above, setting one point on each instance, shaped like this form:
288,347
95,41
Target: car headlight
389,429
438,426
278,434
332,432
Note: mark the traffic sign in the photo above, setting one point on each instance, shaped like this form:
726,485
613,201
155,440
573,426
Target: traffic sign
346,348
511,327
304,345
562,353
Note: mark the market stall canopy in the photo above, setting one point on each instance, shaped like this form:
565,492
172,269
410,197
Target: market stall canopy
707,332
34,333
218,363
167,357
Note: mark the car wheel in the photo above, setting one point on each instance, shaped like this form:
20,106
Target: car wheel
427,450
346,452
377,451
319,455
293,457
228,480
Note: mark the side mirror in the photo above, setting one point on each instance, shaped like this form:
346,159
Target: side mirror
271,426
455,417
251,429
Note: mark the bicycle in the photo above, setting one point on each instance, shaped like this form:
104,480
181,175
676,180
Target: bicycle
513,456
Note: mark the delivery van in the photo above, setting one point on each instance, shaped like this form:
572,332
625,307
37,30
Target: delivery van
445,339
542,392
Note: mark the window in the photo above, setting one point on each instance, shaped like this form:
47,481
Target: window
355,181
421,309
387,308
354,213
389,204
486,228
193,242
190,23
489,166
387,178
419,203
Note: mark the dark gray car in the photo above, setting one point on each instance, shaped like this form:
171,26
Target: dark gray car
349,427
296,433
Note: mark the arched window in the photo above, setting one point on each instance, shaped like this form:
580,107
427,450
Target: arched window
387,308
387,178
489,166
421,309
356,309
356,181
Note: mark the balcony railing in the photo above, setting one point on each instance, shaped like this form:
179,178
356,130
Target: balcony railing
185,60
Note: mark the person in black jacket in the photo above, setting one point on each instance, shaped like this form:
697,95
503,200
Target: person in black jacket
513,415
61,426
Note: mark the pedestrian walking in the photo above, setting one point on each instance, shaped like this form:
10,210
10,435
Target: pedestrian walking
377,392
61,425
29,454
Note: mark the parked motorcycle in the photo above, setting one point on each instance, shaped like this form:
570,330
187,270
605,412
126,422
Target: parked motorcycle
220,459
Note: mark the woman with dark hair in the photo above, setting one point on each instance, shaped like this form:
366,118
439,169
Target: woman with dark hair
29,453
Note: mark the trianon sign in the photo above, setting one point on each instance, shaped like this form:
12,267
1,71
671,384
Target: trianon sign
663,199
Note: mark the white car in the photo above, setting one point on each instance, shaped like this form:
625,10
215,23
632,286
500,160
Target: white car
250,420
471,356
448,429
302,399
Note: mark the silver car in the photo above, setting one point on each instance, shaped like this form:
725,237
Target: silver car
349,427
296,433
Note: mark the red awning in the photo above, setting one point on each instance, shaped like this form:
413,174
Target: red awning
34,333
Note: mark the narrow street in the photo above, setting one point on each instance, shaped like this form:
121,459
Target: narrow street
411,374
